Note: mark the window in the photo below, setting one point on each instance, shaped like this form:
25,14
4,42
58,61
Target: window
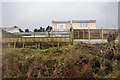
83,25
60,26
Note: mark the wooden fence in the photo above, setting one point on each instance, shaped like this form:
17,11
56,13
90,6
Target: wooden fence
55,37
93,33
59,37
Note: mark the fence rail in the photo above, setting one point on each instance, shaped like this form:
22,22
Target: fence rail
36,39
93,33
60,37
54,38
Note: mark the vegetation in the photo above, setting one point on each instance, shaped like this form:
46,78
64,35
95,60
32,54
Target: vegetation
68,61
27,30
48,29
82,60
39,30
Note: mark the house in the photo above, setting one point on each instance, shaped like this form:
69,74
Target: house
14,29
84,24
8,35
61,25
75,24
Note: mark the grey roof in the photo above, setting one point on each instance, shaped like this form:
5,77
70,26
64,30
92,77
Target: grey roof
83,21
60,21
11,29
8,34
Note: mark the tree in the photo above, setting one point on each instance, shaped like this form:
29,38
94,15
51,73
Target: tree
15,27
20,30
40,29
35,30
43,29
70,29
48,29
27,30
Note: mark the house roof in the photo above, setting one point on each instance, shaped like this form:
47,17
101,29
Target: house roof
11,30
60,21
83,21
8,34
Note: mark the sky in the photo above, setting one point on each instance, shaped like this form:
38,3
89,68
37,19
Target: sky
41,14
0,14
60,0
119,15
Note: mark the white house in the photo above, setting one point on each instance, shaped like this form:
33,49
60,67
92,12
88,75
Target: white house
12,29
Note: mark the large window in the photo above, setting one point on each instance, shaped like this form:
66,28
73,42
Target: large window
60,26
83,25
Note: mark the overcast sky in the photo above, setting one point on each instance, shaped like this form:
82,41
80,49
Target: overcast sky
36,14
119,15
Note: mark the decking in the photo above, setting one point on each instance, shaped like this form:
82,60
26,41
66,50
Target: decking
69,37
33,40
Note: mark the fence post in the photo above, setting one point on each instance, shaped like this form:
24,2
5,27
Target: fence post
89,34
78,34
23,45
83,33
14,44
36,45
39,45
34,37
21,39
118,34
51,33
69,37
58,45
102,34
8,45
9,39
24,38
72,36
51,37
17,38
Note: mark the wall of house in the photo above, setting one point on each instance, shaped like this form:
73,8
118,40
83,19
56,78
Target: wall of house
67,26
92,25
12,30
89,25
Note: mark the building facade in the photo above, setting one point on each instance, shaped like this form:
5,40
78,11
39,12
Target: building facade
75,24
84,24
12,29
61,25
